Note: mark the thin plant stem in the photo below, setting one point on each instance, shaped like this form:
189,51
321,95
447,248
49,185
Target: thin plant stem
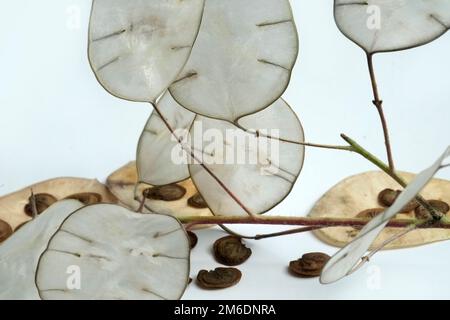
379,105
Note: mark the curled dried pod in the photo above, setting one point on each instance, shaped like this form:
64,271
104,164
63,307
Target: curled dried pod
370,213
438,205
388,196
231,251
5,230
219,278
86,198
170,192
42,200
309,265
193,239
197,201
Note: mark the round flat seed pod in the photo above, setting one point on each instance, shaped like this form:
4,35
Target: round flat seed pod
360,192
171,192
380,25
256,161
42,202
242,58
86,198
219,278
15,208
117,254
5,230
137,48
19,255
309,265
440,206
231,251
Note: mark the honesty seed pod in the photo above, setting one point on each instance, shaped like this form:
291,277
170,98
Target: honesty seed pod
231,251
360,192
16,208
219,278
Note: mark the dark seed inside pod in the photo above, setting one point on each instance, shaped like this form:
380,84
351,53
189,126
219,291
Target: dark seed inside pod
171,192
219,278
309,265
230,251
197,201
370,213
388,196
86,198
43,201
5,230
192,239
438,205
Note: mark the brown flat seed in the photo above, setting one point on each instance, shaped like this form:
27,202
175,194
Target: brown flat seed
5,230
86,198
388,196
309,265
230,251
170,192
197,201
438,205
219,278
43,201
193,239
370,213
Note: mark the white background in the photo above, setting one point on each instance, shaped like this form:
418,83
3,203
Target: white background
56,120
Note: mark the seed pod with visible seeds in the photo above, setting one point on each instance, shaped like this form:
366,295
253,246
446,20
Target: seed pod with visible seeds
43,201
388,196
309,265
438,205
193,239
197,201
5,231
219,278
231,251
370,213
170,192
86,198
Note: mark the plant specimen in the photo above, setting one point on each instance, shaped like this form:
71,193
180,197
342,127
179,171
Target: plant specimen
214,67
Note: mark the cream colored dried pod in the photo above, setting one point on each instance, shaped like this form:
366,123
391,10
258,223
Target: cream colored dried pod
19,255
360,192
12,206
106,252
122,184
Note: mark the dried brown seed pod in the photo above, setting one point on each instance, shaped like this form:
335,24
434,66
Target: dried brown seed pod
388,196
170,192
86,198
230,251
5,230
43,201
309,265
193,239
219,278
370,213
438,205
197,201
